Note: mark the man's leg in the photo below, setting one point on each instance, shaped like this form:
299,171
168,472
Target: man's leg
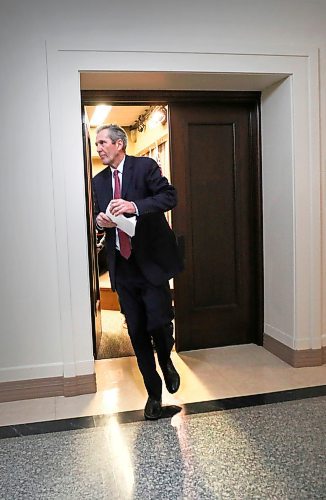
159,311
163,341
129,281
137,328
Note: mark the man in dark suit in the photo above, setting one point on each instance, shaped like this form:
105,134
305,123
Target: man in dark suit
140,267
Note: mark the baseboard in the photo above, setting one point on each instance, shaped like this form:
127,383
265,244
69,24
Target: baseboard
83,384
296,358
47,387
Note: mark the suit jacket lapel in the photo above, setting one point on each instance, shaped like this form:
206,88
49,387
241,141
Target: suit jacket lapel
107,186
126,176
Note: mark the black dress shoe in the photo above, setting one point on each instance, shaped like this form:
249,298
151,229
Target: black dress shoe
153,409
171,377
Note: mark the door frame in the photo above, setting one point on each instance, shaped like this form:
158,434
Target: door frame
152,97
94,284
289,79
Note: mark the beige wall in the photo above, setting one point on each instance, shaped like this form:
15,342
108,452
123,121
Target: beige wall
36,326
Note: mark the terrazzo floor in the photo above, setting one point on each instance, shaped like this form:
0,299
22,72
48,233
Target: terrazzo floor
244,425
274,451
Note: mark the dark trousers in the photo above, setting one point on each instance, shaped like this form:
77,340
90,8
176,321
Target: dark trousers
149,313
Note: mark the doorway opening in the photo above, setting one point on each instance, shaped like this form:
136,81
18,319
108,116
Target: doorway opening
215,165
147,129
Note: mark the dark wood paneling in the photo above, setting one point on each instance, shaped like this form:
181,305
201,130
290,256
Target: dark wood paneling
92,250
212,193
218,297
130,97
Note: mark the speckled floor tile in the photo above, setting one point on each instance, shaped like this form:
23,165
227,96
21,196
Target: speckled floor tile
275,451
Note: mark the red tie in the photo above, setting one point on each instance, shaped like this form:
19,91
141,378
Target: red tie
124,241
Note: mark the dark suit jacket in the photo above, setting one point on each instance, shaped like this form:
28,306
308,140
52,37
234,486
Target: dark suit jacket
154,244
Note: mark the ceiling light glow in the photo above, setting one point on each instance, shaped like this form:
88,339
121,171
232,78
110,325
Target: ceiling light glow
100,114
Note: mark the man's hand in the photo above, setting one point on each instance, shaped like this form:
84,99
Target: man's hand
119,207
104,221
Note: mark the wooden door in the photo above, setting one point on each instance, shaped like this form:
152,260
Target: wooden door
92,248
215,167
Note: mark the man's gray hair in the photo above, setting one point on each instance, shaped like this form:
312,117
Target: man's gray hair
115,132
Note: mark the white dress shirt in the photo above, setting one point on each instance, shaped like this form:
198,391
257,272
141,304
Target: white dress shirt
120,172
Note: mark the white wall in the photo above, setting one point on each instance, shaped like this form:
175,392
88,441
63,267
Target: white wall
29,308
278,201
32,304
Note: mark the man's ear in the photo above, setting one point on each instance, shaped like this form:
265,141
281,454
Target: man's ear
119,143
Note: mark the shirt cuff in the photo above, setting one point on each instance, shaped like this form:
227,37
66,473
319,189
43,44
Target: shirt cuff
136,209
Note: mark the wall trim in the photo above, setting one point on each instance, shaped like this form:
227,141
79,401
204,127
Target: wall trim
302,310
45,371
27,372
47,387
277,334
296,358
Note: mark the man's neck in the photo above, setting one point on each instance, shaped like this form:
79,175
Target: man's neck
117,161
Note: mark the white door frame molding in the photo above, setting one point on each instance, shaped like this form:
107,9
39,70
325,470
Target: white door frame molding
296,101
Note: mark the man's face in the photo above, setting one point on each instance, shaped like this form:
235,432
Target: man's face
110,154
